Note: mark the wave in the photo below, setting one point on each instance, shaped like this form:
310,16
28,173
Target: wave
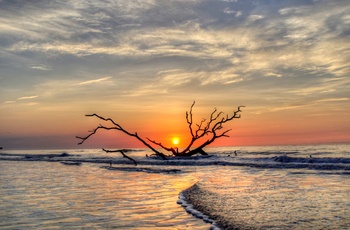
278,162
194,208
327,160
200,203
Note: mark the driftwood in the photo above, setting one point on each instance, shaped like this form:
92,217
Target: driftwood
210,129
121,152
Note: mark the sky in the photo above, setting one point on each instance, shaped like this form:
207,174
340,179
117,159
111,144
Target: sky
143,63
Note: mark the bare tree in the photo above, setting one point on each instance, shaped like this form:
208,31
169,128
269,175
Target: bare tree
204,133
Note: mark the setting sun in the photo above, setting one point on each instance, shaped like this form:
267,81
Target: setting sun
176,140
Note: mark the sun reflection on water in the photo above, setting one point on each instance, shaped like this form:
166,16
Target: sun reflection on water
39,195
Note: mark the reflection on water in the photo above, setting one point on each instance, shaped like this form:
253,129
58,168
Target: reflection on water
300,193
276,199
41,195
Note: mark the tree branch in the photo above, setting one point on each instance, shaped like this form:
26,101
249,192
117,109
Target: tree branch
122,152
215,123
119,128
162,146
189,118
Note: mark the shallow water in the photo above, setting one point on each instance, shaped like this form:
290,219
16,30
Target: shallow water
42,195
275,199
289,187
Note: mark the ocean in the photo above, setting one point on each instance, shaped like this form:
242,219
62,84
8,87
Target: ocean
272,187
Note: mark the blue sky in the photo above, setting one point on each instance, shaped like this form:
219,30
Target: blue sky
144,61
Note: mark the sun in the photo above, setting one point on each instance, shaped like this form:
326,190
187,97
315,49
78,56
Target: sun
175,140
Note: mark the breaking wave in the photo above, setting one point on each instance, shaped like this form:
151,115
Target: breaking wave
316,158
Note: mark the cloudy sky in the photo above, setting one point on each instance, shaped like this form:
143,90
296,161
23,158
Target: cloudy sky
143,63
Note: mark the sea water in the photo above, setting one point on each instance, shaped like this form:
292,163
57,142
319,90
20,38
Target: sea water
48,195
286,187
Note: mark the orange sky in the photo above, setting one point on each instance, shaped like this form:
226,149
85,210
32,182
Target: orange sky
143,64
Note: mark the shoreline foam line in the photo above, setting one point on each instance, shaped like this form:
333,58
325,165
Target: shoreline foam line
191,210
277,162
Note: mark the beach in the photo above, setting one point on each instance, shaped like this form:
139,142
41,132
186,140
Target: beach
260,188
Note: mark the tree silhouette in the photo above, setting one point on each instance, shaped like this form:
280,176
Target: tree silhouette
204,133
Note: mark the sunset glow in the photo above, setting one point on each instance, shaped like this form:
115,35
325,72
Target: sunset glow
143,63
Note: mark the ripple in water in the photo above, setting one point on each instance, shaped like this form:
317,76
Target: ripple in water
269,188
42,195
272,199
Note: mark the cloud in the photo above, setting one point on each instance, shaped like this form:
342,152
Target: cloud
272,74
323,86
292,11
93,29
174,46
333,99
27,97
224,77
127,56
228,10
93,81
166,81
302,104
174,77
21,99
254,17
40,67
